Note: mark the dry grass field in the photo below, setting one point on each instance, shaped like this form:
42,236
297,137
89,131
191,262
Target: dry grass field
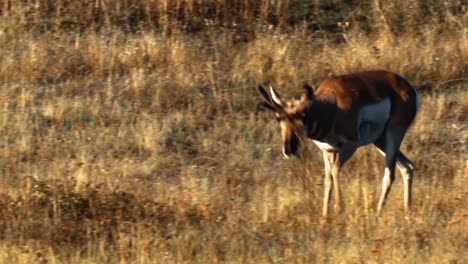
132,132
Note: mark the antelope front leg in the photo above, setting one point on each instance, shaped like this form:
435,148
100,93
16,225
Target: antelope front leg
335,171
327,184
333,162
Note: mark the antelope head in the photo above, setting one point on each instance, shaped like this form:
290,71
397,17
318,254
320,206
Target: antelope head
291,115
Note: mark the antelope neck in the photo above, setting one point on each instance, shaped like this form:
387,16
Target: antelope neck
320,119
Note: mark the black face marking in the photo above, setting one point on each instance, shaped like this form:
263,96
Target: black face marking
292,146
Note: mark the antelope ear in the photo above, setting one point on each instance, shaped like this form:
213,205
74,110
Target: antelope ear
276,97
309,92
265,95
268,105
270,101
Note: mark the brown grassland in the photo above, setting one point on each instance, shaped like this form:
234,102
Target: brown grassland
132,132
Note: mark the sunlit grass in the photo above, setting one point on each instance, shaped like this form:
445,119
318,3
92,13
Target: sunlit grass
146,143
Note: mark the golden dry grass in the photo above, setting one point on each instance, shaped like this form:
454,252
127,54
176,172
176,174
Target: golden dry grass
131,132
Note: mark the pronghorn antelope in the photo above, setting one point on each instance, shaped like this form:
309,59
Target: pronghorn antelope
347,112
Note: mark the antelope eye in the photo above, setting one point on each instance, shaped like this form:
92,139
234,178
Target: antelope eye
278,119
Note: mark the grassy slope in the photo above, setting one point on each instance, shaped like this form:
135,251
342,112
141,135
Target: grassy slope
124,144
